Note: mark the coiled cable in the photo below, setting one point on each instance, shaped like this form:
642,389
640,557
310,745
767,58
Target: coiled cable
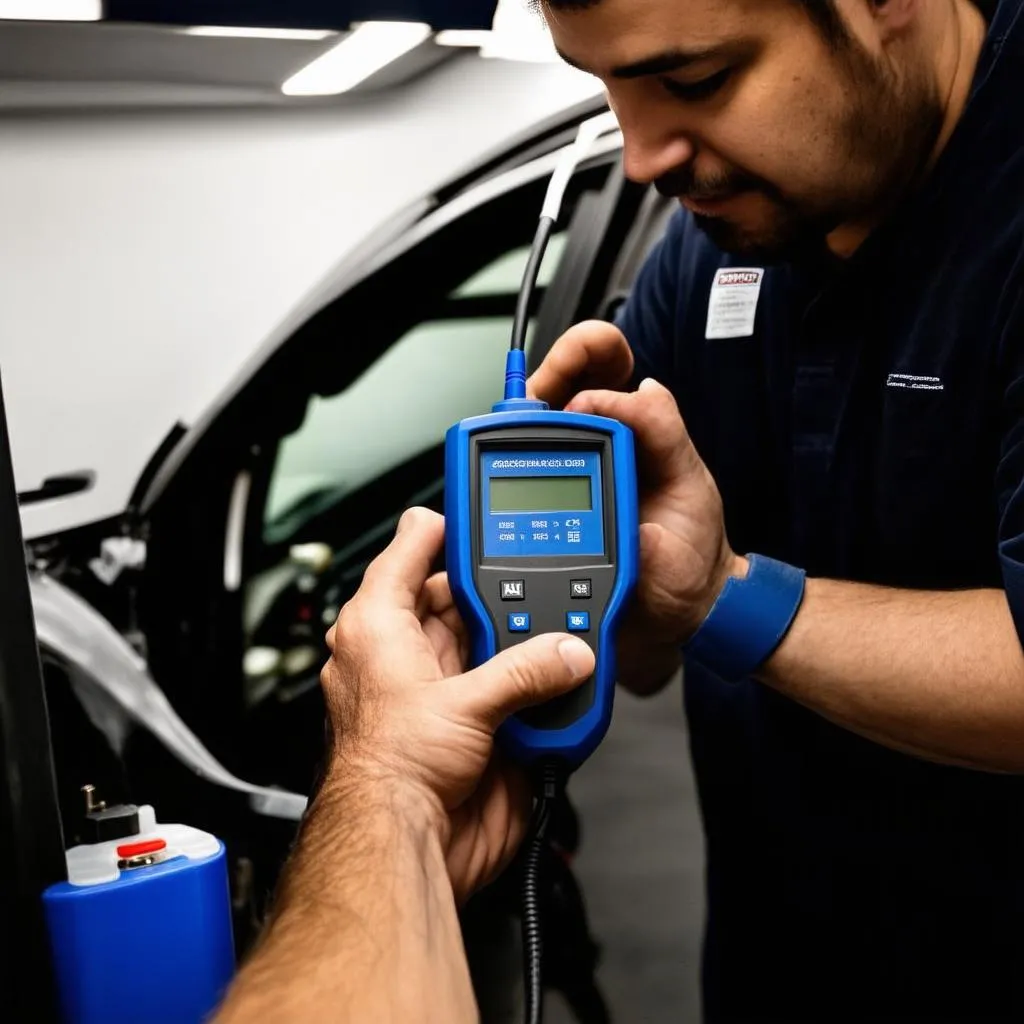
533,924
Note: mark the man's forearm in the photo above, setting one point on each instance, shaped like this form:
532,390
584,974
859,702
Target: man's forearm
936,674
365,926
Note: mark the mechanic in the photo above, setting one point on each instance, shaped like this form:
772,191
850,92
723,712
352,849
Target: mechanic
856,410
413,813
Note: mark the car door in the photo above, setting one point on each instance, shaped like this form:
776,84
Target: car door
267,527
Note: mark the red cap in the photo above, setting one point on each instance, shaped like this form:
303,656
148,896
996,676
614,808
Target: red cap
138,849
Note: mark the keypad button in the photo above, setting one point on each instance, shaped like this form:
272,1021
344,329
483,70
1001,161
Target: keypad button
580,590
577,622
519,622
513,590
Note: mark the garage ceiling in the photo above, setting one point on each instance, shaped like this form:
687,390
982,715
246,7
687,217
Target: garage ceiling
439,14
81,63
156,59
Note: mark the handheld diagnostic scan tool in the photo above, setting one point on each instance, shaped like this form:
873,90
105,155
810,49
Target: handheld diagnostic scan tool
541,527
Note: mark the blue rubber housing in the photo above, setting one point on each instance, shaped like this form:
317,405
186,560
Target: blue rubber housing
155,945
575,743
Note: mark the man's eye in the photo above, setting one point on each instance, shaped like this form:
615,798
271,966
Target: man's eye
694,91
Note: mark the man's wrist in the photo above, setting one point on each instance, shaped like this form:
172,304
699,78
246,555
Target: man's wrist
749,619
366,792
739,568
732,566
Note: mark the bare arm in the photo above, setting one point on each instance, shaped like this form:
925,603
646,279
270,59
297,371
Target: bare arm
936,674
415,811
365,927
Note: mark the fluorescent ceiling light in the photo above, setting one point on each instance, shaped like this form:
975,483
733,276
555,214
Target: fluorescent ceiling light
363,52
240,32
51,10
463,37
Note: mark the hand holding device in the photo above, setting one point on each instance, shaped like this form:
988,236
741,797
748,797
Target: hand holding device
416,728
695,592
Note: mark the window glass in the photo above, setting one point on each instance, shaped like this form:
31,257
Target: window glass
437,373
338,482
505,274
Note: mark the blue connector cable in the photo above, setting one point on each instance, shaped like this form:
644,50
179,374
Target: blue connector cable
515,375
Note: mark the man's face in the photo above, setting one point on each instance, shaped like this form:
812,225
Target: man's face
769,133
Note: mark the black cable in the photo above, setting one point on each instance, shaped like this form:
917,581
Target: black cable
533,945
522,317
533,937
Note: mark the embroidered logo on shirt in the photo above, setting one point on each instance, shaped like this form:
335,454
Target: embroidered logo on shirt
732,307
915,383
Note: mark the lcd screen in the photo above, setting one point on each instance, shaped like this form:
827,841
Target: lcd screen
541,494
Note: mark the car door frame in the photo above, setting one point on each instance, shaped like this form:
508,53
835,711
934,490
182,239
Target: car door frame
185,485
619,228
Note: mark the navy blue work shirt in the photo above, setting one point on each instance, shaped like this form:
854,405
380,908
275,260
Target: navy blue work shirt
871,429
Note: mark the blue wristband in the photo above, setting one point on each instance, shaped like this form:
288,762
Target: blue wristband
748,621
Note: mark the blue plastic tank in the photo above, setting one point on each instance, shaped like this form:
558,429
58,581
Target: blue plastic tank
141,932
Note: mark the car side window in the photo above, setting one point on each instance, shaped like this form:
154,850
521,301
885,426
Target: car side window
441,370
424,338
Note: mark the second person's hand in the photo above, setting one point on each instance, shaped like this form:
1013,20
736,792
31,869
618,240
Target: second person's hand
411,727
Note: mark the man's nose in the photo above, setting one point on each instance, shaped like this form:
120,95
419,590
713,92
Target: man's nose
649,154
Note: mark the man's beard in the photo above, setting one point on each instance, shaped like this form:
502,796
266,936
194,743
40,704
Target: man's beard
889,128
791,231
791,236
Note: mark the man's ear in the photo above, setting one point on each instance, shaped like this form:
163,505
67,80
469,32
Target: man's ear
894,17
880,22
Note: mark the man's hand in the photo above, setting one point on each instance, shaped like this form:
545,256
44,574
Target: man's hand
685,557
414,811
593,354
406,718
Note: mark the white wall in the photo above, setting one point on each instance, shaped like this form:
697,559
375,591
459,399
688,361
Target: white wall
144,257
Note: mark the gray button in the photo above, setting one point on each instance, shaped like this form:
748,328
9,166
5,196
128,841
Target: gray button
513,590
580,589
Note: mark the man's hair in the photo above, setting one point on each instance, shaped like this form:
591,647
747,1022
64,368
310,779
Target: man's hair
823,13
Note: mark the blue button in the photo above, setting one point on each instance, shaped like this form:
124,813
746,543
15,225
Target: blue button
519,622
577,622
